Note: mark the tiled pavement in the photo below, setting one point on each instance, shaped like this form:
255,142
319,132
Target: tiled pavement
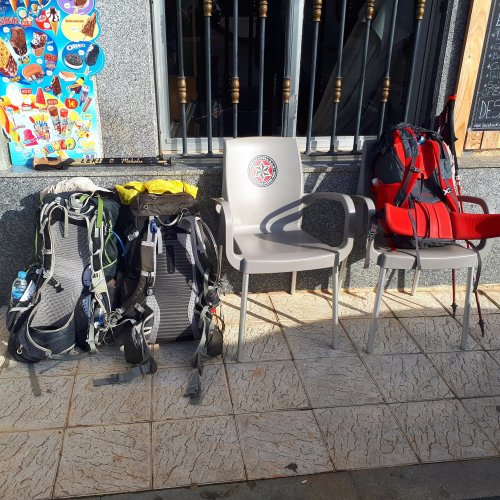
294,406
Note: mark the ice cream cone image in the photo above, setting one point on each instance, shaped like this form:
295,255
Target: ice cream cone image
27,4
55,26
13,4
54,18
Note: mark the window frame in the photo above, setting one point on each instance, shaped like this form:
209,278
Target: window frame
294,28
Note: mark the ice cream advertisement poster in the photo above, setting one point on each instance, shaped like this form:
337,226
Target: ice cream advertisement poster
48,56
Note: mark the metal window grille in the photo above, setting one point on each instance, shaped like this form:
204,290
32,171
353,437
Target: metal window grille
301,85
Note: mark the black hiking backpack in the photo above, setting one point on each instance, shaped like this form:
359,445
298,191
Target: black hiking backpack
67,295
166,285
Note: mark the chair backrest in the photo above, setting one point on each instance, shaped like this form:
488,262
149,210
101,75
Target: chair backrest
365,170
263,183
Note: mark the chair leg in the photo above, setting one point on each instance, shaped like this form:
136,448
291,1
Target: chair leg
220,255
294,283
243,315
415,281
342,273
468,295
335,307
376,310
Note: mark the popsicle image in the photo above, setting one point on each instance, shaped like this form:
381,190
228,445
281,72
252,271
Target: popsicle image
18,41
54,17
88,27
73,116
54,116
38,43
29,138
87,104
84,93
92,55
40,98
63,115
8,65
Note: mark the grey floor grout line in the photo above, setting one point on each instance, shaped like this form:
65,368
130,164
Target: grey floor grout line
64,429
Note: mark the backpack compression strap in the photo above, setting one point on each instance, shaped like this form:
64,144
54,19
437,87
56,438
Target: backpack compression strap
412,173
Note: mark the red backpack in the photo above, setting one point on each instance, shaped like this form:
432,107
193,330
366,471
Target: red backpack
415,195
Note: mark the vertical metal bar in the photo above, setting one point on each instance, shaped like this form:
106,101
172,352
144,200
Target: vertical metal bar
207,12
337,93
235,85
161,72
295,22
370,11
386,83
316,19
262,42
419,15
286,105
181,80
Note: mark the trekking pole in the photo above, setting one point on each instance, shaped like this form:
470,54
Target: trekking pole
447,123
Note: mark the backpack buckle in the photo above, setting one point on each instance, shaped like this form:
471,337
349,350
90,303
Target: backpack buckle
447,191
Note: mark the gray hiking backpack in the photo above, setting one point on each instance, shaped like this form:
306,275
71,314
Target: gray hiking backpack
167,288
67,296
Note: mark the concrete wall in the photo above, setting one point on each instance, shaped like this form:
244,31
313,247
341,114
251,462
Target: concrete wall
128,118
19,202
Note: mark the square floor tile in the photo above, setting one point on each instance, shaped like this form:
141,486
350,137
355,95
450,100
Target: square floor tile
353,304
407,377
445,296
391,337
491,296
259,308
315,340
108,359
28,463
265,386
21,410
486,412
404,305
262,342
47,368
302,308
285,443
437,334
179,353
169,387
496,355
442,431
110,404
108,459
341,381
361,437
491,339
470,373
201,451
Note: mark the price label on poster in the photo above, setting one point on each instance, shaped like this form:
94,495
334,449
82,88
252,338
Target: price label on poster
48,56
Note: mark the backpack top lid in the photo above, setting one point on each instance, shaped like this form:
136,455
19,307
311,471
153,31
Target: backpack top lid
79,184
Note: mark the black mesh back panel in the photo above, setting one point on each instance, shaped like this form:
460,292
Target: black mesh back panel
174,291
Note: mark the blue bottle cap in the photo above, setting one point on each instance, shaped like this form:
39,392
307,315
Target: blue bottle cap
22,275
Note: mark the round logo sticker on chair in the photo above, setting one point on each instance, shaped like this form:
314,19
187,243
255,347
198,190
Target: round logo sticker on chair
262,170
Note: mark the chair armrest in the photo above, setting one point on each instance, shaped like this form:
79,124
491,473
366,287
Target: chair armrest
476,201
349,213
223,206
484,246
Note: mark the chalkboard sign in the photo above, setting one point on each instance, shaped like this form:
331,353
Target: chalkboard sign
486,110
